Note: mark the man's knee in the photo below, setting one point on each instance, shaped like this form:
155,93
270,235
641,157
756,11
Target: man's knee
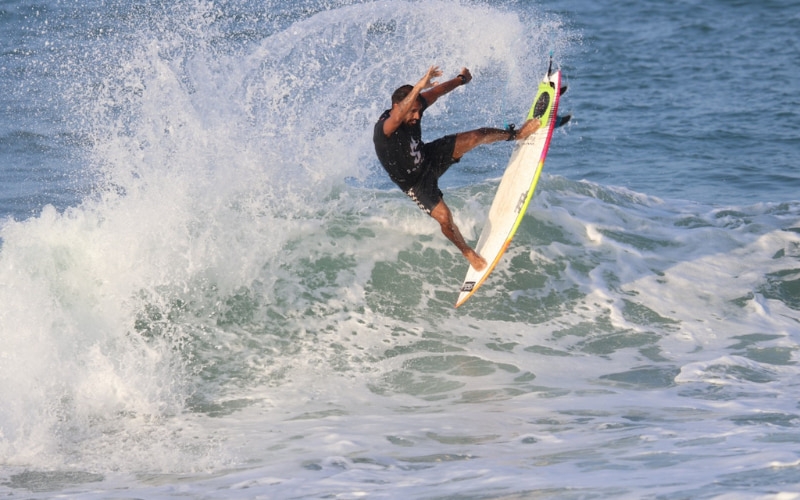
467,141
441,213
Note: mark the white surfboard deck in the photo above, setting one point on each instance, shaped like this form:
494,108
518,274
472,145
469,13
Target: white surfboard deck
516,187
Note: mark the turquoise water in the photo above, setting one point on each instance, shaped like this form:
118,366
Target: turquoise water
209,289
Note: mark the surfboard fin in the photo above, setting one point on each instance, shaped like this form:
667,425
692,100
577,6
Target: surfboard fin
562,120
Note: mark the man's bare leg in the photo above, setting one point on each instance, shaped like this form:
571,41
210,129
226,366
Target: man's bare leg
444,217
467,141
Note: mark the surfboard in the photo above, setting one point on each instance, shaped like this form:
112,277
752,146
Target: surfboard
517,185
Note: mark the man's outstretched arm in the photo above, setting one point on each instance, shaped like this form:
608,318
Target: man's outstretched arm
443,88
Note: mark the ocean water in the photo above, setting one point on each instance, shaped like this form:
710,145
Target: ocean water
208,288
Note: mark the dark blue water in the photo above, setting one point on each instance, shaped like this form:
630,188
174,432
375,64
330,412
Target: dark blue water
689,100
208,288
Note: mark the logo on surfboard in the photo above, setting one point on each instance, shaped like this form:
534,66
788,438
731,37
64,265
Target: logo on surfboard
521,202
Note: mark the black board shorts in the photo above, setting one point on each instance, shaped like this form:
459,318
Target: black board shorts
438,158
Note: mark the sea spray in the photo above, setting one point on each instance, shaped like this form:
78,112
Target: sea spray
216,218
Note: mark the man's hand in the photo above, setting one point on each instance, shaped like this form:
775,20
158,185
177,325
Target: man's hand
466,74
426,81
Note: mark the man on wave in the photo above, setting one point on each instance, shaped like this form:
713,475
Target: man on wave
416,166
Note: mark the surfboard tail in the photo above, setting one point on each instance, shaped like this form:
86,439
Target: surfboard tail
471,286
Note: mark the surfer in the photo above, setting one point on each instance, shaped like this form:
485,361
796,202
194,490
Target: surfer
416,166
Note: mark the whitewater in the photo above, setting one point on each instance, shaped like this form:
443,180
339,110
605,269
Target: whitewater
210,289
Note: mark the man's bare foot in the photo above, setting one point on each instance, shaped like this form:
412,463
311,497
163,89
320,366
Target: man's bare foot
528,128
475,260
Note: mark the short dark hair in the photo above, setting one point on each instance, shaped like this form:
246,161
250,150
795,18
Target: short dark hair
401,93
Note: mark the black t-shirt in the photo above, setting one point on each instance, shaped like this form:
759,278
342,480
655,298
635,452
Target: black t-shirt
401,153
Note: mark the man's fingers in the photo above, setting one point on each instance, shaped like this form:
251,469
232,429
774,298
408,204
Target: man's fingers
433,72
